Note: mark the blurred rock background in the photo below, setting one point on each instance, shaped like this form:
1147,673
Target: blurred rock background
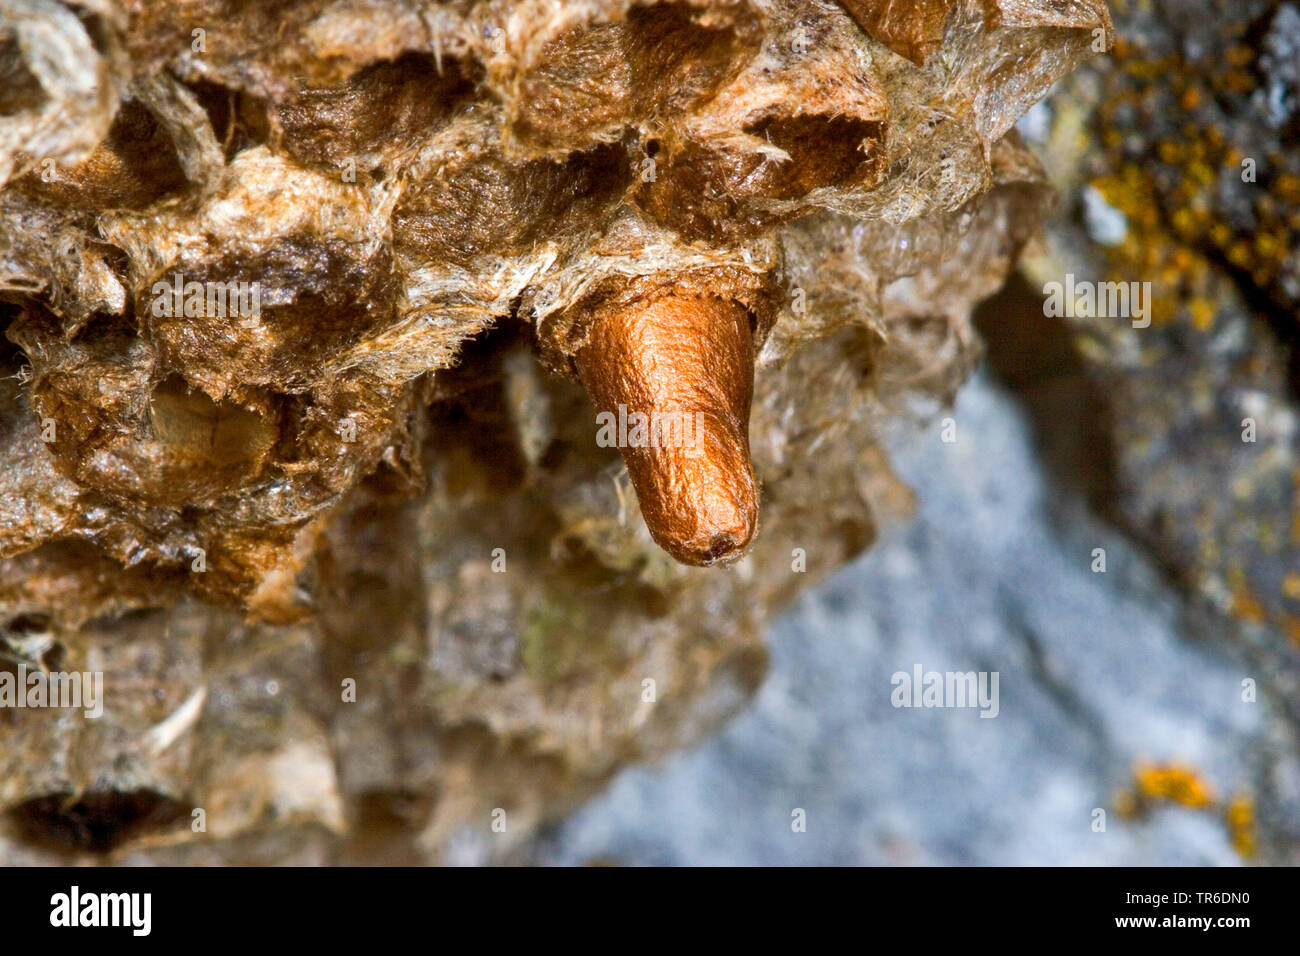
1099,673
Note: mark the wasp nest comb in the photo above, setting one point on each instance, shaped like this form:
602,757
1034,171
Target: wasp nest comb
312,308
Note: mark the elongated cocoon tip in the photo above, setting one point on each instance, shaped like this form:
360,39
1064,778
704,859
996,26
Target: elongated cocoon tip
673,379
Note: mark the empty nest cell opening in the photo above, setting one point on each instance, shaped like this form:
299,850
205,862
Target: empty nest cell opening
98,822
197,429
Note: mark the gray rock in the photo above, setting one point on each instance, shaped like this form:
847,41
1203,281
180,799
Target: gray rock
1096,671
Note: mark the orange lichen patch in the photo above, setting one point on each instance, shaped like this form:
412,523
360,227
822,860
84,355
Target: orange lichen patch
1183,281
1202,312
1247,607
1239,81
1240,817
1200,157
1287,187
1245,603
1174,783
1240,55
1181,785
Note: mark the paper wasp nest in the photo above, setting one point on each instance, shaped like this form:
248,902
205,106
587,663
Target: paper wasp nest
299,298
